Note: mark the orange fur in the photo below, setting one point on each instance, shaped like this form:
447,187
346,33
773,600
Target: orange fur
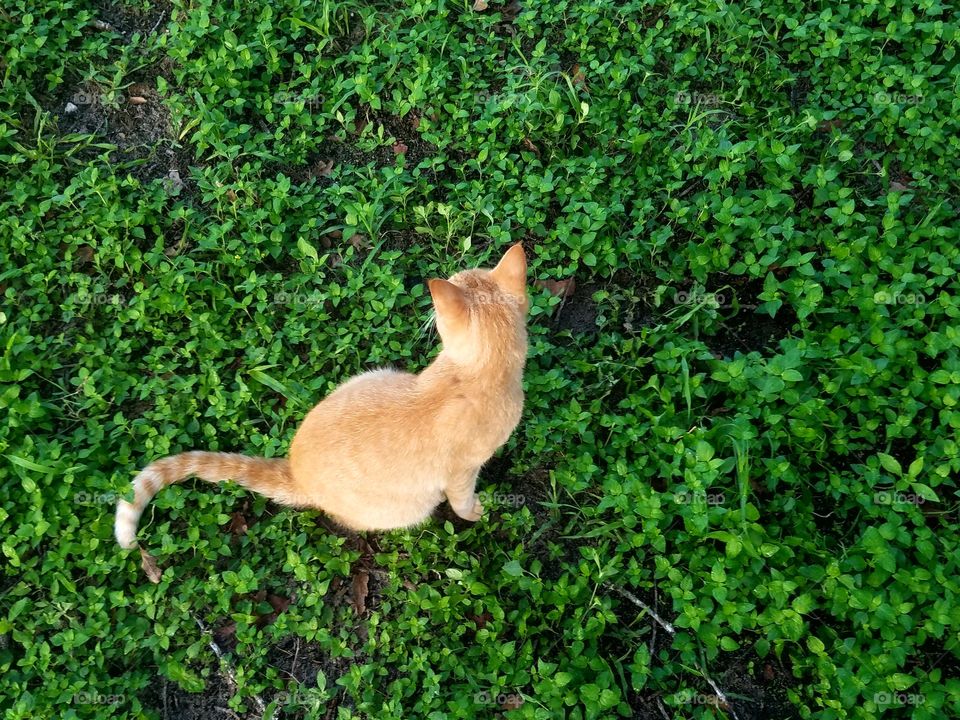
386,447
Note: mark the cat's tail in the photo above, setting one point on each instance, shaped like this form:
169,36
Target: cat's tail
268,476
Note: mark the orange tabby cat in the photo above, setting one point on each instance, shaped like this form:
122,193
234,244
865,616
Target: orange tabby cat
385,448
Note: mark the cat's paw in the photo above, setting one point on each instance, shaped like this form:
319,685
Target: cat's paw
474,513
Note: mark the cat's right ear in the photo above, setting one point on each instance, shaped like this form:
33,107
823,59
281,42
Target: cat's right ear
511,272
450,302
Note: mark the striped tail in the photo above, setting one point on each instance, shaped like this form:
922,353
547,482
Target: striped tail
268,476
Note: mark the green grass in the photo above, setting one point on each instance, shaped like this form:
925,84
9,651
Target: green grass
744,420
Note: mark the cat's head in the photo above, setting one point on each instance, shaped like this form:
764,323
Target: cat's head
479,311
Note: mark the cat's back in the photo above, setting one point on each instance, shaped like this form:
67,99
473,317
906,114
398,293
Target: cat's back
362,399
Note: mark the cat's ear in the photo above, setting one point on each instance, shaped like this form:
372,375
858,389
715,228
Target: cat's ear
449,301
511,272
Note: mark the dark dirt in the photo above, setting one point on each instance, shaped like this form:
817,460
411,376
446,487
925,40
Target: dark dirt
336,152
578,313
757,693
530,490
751,332
760,692
300,661
136,122
825,515
743,331
747,330
127,20
297,660
937,653
168,700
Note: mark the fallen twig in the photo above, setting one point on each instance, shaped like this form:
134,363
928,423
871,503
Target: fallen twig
721,696
225,666
640,603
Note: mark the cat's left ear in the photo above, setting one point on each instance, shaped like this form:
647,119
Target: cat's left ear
511,272
450,302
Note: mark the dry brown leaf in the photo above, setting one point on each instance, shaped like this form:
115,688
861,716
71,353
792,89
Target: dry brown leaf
364,547
137,100
480,5
279,603
84,254
359,591
560,288
578,76
400,148
231,195
828,125
896,185
150,567
359,242
511,11
481,620
528,143
223,635
322,168
238,524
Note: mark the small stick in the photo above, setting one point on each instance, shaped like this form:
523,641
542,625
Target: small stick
296,656
719,693
653,635
639,603
225,666
721,696
663,710
157,24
